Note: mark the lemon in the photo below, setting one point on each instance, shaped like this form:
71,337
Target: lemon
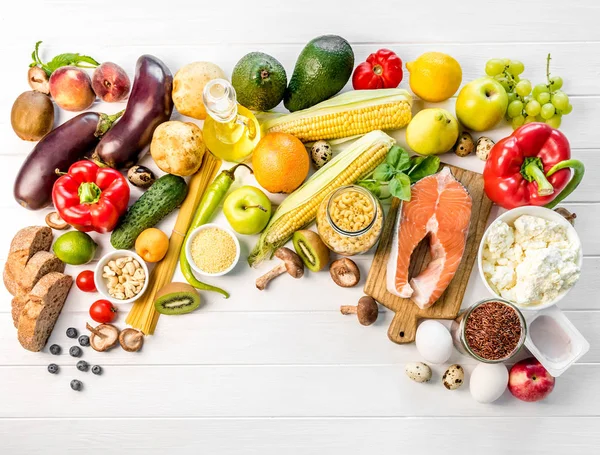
432,132
434,76
75,248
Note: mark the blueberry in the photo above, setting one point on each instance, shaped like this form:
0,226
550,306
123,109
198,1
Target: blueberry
55,349
53,368
82,365
75,351
84,340
97,369
72,332
76,385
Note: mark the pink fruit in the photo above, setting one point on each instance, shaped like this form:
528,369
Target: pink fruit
111,83
71,89
529,381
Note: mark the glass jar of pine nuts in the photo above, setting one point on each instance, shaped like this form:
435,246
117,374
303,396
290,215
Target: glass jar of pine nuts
350,220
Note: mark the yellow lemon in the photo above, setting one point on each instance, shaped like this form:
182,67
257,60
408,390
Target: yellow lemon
434,76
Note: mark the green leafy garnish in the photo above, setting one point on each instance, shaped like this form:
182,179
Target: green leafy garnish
69,59
395,176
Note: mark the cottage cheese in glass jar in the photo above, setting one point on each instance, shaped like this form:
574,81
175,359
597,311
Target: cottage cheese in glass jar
350,220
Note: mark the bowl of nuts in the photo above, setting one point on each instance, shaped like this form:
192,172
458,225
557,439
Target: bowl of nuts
121,276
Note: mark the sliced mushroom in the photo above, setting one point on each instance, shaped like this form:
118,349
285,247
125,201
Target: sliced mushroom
292,264
54,220
344,272
103,337
366,310
131,340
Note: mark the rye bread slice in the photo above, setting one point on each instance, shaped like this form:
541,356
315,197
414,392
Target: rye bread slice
18,303
40,264
24,245
42,309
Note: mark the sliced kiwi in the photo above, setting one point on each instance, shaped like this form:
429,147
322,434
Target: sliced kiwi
311,249
177,298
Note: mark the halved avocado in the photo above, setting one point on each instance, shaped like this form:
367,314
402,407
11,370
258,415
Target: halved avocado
311,249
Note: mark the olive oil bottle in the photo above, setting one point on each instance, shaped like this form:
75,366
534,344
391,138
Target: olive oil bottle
230,130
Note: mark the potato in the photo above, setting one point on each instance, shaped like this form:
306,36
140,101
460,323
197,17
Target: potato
178,147
188,85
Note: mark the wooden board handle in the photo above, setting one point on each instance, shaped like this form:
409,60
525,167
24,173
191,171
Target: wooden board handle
403,328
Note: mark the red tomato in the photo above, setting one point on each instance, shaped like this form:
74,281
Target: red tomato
103,311
85,281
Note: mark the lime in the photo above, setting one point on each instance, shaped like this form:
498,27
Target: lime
75,248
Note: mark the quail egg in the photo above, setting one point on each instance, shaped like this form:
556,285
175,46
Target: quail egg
320,154
483,148
418,371
140,176
465,145
454,377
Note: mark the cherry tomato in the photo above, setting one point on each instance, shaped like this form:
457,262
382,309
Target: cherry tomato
103,311
85,281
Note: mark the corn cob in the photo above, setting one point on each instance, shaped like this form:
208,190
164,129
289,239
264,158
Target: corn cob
300,208
349,114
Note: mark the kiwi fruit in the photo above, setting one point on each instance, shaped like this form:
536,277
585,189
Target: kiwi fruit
177,298
32,116
311,249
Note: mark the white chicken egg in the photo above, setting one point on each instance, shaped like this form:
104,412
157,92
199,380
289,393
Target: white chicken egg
433,341
488,382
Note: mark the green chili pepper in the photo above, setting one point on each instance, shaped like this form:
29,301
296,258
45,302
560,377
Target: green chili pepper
578,171
214,194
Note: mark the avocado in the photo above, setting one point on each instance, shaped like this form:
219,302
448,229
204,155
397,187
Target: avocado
259,81
323,68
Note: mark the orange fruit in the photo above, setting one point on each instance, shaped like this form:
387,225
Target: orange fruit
280,162
152,245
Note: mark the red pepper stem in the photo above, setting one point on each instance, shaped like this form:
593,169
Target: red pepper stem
578,172
89,193
532,171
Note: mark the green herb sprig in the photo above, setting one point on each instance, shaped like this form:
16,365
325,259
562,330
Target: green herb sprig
78,60
399,171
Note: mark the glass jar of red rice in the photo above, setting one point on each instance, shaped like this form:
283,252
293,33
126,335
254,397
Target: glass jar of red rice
490,331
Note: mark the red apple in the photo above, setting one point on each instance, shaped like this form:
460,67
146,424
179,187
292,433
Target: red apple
110,82
529,381
71,89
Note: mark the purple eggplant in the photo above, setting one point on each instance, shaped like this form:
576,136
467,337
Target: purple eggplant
149,105
57,150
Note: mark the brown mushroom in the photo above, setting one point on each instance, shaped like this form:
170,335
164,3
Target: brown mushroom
344,272
103,337
366,310
38,80
291,264
570,217
131,340
54,221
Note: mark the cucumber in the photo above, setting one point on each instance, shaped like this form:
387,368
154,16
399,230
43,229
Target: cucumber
164,196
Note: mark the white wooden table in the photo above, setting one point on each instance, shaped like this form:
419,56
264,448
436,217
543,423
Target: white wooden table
282,372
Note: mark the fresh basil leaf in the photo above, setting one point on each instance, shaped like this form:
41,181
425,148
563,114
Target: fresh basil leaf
399,186
423,166
371,185
398,158
384,172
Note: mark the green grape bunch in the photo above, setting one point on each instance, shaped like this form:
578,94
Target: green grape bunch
526,104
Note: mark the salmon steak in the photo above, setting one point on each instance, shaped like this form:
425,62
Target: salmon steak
440,208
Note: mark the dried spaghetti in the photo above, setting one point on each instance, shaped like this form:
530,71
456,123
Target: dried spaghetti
143,316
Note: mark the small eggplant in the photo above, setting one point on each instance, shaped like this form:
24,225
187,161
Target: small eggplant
149,105
57,150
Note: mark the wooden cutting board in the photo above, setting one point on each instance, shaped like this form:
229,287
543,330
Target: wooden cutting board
407,314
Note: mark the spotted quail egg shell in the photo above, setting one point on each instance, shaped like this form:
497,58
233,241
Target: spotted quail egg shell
418,371
488,382
434,342
453,377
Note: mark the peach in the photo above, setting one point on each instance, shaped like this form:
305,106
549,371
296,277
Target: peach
71,89
110,82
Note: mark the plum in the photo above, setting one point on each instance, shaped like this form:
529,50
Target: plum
71,89
110,82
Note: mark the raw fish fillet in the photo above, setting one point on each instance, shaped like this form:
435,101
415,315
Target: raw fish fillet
441,208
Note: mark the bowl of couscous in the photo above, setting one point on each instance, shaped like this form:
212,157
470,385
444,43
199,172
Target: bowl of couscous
212,250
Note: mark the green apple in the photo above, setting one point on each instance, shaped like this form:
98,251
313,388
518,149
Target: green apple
481,104
248,210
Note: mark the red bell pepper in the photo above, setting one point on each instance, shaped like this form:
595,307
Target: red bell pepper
383,69
91,198
532,166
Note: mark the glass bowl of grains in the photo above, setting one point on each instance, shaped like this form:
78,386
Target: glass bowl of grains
212,250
